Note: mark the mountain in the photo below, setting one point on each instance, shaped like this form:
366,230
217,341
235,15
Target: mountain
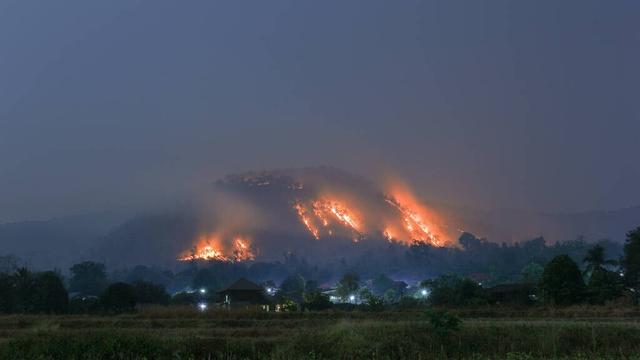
317,213
57,242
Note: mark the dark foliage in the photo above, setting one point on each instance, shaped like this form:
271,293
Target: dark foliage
34,293
562,282
630,262
451,290
119,297
88,278
316,301
149,293
348,285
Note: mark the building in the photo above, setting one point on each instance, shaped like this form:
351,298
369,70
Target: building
244,294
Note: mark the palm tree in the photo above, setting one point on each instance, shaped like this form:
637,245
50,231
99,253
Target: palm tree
595,259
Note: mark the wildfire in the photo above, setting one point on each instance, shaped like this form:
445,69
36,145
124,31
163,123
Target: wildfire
407,222
322,211
212,248
242,250
421,224
302,213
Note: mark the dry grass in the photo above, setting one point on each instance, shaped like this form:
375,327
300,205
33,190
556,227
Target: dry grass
182,333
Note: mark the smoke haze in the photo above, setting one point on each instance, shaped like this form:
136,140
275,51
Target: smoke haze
129,105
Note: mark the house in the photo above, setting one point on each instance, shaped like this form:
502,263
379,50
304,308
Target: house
244,294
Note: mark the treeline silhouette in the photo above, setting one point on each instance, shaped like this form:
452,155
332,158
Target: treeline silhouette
534,273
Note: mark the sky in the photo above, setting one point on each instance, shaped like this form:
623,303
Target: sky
487,104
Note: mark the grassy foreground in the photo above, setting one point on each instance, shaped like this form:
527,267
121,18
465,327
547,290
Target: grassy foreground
185,334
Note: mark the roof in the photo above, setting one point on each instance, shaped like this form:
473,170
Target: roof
243,285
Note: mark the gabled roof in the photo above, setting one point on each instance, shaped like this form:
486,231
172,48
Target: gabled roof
243,284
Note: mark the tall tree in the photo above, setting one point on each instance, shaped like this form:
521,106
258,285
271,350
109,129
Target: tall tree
630,262
595,259
88,278
49,294
293,288
348,285
562,282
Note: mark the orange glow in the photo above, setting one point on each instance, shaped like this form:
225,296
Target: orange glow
207,248
302,213
242,250
325,209
211,247
419,222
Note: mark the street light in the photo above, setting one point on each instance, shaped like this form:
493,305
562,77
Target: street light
203,291
352,298
202,306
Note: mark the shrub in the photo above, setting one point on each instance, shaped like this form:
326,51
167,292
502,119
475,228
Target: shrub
119,297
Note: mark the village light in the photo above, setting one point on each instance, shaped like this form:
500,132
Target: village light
203,291
424,292
202,306
352,298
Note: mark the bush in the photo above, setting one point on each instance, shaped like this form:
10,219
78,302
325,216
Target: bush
316,301
443,322
149,293
450,290
119,297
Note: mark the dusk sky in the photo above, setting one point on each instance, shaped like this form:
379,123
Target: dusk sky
488,104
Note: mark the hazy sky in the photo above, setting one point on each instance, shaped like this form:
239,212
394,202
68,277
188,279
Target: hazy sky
524,104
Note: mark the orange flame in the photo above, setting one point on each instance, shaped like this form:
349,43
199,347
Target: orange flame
212,248
323,210
302,213
419,222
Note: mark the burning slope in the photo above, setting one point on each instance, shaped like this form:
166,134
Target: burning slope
322,215
327,208
408,223
213,248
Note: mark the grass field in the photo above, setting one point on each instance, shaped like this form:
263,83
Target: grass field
182,333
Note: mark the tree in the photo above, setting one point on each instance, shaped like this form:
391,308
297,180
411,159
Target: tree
49,294
348,285
316,301
390,296
603,286
451,290
7,294
119,297
23,282
293,288
630,262
532,273
380,284
88,278
595,259
8,264
150,293
562,282
371,302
